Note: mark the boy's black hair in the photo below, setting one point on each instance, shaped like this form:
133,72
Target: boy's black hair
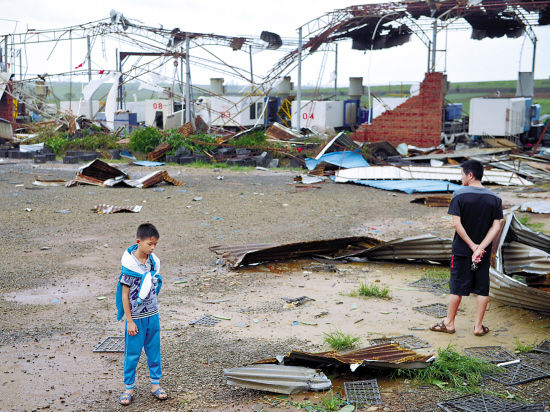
474,167
147,230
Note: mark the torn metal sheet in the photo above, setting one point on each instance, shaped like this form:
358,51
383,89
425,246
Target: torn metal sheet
338,143
278,378
280,132
309,180
520,258
452,173
410,186
159,151
152,179
536,207
267,252
385,356
518,167
464,153
48,182
96,173
148,163
107,209
433,201
347,160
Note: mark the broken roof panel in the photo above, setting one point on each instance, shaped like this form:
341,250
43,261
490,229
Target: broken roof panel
278,378
410,186
152,179
99,170
520,258
452,173
536,207
346,159
338,143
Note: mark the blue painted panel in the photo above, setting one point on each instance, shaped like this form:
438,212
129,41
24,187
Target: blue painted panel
346,160
411,186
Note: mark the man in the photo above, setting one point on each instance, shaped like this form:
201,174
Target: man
477,215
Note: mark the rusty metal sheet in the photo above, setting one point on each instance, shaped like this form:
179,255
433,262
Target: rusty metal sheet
152,179
388,355
434,201
338,143
104,209
280,132
268,252
159,151
98,170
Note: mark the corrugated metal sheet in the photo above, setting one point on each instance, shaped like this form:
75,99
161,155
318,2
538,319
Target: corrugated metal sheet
159,151
527,236
388,355
278,378
410,186
536,207
347,159
337,143
107,209
520,258
522,169
152,179
433,201
467,153
452,173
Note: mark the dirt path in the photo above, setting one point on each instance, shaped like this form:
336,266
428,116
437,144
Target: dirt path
59,264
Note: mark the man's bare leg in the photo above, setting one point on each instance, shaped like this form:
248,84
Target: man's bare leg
482,302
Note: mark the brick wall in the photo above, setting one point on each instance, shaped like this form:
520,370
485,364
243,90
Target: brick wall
6,104
417,121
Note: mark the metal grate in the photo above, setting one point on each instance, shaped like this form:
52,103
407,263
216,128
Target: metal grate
111,344
405,341
431,285
534,407
495,354
517,373
538,360
205,320
543,346
438,310
363,392
480,403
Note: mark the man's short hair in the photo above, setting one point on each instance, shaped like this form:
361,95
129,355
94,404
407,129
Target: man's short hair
146,231
474,167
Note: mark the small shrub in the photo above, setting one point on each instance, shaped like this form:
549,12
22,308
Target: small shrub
339,340
145,139
331,401
524,347
373,290
525,221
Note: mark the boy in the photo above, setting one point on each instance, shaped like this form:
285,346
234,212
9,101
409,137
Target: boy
477,214
136,299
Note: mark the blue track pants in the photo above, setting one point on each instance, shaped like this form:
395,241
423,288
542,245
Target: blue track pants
148,338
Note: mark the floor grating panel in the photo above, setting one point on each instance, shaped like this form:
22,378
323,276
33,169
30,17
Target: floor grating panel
543,347
405,341
494,354
431,285
205,320
480,403
438,310
363,392
517,373
111,344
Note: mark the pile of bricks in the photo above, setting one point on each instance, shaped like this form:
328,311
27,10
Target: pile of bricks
7,107
417,121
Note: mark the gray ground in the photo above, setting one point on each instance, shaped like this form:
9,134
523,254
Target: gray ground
57,265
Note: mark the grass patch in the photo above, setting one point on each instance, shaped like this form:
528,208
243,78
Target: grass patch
525,221
338,340
437,274
330,402
452,371
524,347
371,291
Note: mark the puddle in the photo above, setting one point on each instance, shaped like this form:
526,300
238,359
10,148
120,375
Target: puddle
50,295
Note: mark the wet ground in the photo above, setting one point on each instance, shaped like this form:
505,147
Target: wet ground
62,262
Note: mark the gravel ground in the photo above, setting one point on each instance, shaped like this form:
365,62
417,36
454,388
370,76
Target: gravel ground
62,257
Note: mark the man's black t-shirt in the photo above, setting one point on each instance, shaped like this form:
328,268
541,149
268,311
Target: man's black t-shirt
478,208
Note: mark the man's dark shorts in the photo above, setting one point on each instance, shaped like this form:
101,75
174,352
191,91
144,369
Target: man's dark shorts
464,281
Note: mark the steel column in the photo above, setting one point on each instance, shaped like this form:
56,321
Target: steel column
299,91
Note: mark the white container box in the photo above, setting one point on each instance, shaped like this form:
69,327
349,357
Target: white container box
320,115
159,105
231,111
497,116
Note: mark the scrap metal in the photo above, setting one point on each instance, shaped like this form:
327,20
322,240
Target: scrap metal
385,356
520,258
152,179
338,143
278,378
279,132
104,209
159,151
433,201
96,173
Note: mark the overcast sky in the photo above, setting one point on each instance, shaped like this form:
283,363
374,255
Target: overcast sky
466,59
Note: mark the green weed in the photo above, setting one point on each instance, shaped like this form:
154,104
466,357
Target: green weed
437,274
524,347
339,341
452,371
145,139
525,221
372,291
329,403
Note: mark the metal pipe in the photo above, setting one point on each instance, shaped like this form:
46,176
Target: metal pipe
299,91
251,71
336,71
90,108
434,44
534,55
187,82
181,89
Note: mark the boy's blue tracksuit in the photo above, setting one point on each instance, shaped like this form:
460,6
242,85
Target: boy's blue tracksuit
145,316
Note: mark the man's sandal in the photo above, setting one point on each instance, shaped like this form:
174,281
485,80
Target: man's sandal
126,397
160,394
440,327
485,331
